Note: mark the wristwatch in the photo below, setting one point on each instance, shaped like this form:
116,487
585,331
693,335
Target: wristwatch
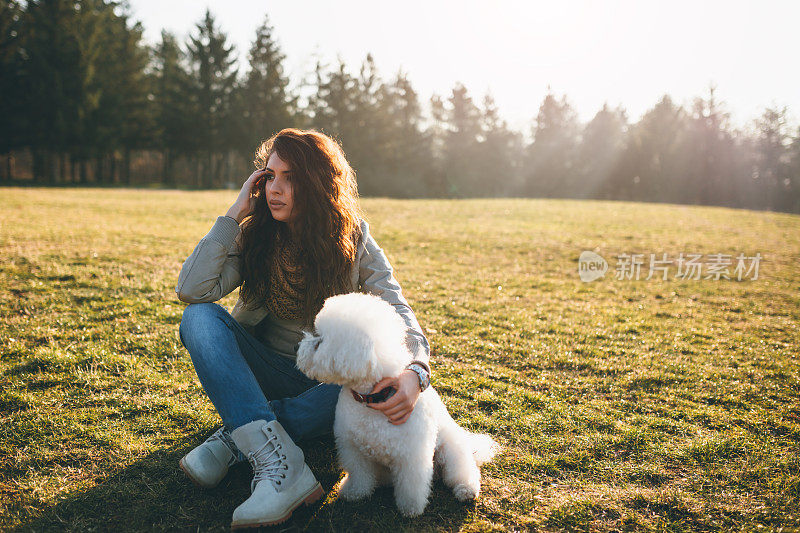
422,374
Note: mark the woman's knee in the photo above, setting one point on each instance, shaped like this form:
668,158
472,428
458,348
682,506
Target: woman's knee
309,414
198,319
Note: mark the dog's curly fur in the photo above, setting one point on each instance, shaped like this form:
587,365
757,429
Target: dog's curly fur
359,339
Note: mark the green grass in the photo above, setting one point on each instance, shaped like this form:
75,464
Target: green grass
622,405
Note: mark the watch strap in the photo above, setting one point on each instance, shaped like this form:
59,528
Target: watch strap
423,376
423,364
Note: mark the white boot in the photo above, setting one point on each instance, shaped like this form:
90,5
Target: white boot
208,464
281,478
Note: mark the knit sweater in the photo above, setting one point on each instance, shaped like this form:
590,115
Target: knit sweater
212,271
279,335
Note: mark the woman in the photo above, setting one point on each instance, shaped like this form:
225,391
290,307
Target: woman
294,236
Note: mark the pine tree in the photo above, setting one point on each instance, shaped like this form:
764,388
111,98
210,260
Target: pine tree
653,152
368,135
408,156
97,129
214,80
13,124
266,104
50,84
551,157
436,136
773,159
340,110
498,161
600,151
333,102
122,119
461,142
135,116
171,112
793,193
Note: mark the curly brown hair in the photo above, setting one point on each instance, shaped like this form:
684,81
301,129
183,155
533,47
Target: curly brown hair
328,221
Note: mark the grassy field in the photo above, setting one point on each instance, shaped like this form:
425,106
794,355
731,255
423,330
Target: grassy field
621,404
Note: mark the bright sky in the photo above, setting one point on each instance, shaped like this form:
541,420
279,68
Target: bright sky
624,52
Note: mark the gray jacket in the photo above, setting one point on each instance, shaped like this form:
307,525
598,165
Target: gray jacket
212,272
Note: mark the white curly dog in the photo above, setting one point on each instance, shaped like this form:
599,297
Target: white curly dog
359,340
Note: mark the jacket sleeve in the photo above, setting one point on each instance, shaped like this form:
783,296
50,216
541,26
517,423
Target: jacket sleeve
376,276
212,270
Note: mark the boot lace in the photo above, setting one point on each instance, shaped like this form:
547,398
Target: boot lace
224,436
267,463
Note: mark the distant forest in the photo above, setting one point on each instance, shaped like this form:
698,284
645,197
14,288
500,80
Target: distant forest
86,101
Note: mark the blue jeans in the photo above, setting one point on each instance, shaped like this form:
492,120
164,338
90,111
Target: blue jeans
247,381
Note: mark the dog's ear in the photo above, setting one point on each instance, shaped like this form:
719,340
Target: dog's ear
362,361
306,351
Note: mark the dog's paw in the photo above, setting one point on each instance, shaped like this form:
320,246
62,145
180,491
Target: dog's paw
351,490
410,509
411,502
464,492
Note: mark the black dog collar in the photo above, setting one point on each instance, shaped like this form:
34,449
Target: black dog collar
378,397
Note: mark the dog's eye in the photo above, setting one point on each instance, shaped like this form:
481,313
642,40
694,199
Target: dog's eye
317,342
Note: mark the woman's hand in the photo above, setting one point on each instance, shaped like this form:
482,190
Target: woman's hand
399,407
244,204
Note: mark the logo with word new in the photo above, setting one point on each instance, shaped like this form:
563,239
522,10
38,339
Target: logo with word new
591,266
718,266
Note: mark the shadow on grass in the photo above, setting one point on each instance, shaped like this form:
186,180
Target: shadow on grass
154,494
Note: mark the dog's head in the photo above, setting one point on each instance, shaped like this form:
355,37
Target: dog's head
358,340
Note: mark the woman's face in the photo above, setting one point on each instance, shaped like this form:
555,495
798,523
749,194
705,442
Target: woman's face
278,189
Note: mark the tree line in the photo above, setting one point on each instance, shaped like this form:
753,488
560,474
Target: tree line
87,101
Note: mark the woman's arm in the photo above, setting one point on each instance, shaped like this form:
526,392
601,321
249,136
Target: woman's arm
376,276
212,270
